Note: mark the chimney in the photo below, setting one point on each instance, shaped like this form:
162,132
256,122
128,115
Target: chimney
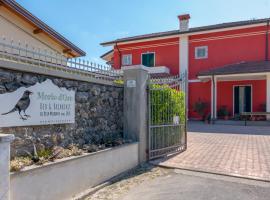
184,22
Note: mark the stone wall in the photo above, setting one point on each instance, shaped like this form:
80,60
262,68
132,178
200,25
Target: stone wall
99,115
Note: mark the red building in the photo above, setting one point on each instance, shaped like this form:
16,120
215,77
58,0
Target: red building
228,64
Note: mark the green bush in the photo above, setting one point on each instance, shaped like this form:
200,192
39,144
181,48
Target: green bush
166,103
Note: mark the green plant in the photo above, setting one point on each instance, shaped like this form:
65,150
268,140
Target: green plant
166,103
119,82
46,153
223,111
33,156
200,107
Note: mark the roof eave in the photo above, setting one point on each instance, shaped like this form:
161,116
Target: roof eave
191,31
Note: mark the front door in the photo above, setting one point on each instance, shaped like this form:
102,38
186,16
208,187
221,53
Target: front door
242,99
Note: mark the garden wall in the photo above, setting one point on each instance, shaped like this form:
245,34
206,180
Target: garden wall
71,176
99,114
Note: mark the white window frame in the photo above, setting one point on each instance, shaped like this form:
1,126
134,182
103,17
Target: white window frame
123,59
206,52
149,53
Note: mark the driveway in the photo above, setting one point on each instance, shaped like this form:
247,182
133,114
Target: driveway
224,149
182,185
155,183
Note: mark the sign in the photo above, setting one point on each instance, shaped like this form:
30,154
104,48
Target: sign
131,83
176,120
41,104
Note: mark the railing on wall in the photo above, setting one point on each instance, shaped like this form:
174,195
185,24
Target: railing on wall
25,54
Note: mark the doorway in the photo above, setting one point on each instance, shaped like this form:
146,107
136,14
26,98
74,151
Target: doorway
242,99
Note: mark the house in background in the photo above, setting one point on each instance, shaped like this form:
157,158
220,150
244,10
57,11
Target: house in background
20,27
228,64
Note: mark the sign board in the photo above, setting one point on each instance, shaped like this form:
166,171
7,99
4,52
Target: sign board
131,83
176,120
41,104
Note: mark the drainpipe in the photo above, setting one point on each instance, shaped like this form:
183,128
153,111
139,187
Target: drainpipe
120,55
267,42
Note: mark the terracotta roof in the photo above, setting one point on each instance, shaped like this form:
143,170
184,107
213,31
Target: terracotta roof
239,68
17,8
191,30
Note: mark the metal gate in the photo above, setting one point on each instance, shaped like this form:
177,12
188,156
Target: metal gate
167,115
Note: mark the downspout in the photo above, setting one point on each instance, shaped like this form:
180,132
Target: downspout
267,42
120,55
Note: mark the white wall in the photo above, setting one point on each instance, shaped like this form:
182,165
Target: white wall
68,178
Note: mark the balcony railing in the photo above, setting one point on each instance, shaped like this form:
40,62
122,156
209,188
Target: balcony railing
25,54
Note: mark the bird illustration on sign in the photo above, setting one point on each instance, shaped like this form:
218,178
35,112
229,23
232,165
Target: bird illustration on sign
22,105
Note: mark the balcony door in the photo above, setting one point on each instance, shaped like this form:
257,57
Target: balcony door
242,99
148,59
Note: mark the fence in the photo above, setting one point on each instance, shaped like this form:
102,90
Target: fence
25,54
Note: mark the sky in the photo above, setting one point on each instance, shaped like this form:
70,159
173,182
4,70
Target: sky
87,23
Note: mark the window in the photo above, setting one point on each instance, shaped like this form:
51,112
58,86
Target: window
201,52
127,59
148,59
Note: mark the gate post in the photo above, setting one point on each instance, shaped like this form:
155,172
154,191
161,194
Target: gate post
4,166
135,107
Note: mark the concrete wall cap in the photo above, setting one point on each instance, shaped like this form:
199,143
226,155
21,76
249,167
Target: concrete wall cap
135,67
6,137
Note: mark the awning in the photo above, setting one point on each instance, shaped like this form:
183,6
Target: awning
238,68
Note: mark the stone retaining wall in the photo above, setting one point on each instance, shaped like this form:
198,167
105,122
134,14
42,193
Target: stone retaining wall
99,115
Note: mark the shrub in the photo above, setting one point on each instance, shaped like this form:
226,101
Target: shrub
166,103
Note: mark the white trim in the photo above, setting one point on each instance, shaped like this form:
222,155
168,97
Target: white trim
196,52
213,107
183,54
188,34
268,94
233,75
251,100
194,81
149,53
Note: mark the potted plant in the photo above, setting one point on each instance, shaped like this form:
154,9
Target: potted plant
200,107
223,113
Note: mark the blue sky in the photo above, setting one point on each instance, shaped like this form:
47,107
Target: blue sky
87,23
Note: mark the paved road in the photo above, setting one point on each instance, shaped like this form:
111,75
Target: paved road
185,185
231,150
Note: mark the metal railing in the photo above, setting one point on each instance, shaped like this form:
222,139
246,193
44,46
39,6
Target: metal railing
25,54
167,115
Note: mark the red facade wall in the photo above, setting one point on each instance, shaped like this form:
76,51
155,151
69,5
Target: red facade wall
225,94
166,53
202,91
227,48
199,91
224,48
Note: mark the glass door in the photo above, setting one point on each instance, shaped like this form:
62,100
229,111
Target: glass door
242,99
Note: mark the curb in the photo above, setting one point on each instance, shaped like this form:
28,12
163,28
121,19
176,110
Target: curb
215,173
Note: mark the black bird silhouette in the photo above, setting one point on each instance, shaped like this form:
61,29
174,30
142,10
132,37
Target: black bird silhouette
22,105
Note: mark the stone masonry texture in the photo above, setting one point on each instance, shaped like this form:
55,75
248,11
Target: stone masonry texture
99,114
